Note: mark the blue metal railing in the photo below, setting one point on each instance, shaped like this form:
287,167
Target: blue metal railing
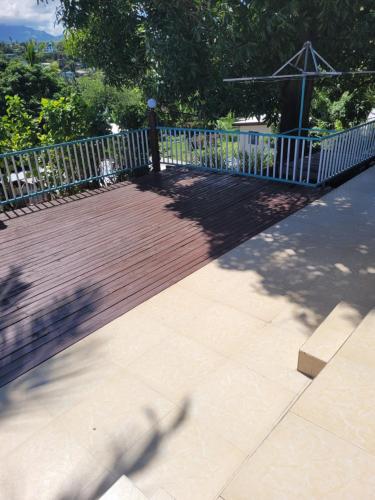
57,168
304,160
341,151
281,157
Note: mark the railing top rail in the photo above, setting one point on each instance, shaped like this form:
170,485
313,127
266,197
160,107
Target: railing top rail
239,132
348,130
60,144
314,129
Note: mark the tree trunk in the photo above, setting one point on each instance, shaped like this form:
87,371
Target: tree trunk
290,105
290,109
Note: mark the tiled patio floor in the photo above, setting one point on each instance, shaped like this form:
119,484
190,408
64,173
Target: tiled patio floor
180,392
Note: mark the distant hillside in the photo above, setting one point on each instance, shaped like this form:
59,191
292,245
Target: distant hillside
12,33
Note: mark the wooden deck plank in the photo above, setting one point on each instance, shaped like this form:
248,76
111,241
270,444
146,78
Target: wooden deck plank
67,270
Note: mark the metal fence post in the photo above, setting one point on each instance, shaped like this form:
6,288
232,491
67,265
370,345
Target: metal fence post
154,140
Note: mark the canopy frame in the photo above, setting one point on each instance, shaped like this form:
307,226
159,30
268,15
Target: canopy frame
309,64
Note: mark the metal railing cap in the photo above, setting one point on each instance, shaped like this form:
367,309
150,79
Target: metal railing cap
63,144
239,132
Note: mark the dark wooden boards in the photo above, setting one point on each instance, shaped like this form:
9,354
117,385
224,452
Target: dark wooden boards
67,270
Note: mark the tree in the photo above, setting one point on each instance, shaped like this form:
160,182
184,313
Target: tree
180,52
18,129
128,108
105,104
31,52
62,119
30,83
96,98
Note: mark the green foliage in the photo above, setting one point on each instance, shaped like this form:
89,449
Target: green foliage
17,127
333,108
61,119
226,122
31,52
105,104
181,53
31,83
128,108
96,97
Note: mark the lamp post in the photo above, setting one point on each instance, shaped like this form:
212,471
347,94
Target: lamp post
153,134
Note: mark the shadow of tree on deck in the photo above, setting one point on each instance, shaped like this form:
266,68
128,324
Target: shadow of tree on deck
31,334
228,209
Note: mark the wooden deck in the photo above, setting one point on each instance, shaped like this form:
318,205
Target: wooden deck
67,270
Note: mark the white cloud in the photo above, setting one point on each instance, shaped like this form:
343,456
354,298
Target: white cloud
29,13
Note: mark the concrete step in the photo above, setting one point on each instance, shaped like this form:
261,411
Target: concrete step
123,489
327,339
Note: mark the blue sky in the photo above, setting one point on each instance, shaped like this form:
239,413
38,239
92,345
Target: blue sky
29,13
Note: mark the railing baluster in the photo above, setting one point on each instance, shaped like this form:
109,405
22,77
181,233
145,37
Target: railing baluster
24,175
8,171
124,149
138,149
301,168
101,164
17,176
143,138
88,160
287,161
268,157
256,155
114,152
134,149
64,163
40,177
281,159
296,153
243,138
71,164
261,138
3,183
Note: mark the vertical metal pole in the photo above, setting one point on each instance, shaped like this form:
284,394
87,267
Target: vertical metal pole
154,142
303,90
302,105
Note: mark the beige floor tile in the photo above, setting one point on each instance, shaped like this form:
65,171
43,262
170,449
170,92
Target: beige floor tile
176,366
274,354
193,462
259,304
342,400
214,275
240,405
51,466
135,337
114,416
240,289
304,462
64,380
300,320
222,328
74,383
176,307
20,417
162,495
